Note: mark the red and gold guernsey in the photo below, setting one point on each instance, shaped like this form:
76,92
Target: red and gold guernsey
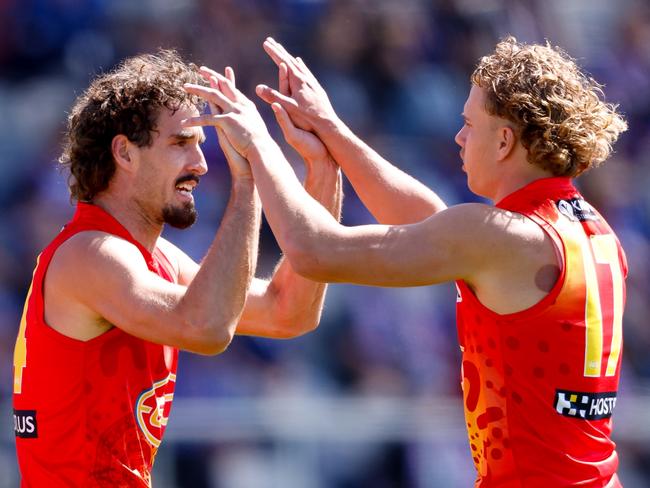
539,386
89,413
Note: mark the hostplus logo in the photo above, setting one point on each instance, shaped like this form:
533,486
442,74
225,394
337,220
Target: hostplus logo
25,425
587,406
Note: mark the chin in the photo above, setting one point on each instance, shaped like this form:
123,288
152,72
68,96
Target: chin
180,217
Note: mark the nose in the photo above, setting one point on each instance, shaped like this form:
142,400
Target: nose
460,137
199,166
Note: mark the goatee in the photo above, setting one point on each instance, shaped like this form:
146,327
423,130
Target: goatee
180,217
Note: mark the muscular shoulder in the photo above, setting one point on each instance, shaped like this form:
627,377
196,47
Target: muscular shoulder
89,258
490,230
515,260
489,241
84,269
95,248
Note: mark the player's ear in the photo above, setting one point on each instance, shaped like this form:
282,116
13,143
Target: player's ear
507,140
123,152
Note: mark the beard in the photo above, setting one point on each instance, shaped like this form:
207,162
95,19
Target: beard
180,217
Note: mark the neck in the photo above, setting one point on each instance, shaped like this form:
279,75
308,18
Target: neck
132,217
521,174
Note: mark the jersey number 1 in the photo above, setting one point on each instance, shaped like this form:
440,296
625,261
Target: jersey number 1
603,295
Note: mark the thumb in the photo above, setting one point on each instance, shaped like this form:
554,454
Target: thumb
265,93
227,148
269,95
284,121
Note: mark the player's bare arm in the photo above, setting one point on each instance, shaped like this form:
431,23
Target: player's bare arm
375,179
287,304
511,265
428,252
96,281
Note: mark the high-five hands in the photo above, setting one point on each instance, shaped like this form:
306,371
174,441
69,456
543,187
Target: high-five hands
233,114
300,94
236,117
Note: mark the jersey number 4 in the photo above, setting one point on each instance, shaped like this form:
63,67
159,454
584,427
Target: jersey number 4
20,350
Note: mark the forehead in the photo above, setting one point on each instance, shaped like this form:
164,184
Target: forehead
169,122
475,103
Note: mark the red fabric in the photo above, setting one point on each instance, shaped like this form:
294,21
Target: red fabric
517,366
101,406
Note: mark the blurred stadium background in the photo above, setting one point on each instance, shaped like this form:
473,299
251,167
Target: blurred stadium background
371,399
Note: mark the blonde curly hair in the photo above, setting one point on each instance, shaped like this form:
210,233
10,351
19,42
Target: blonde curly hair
557,109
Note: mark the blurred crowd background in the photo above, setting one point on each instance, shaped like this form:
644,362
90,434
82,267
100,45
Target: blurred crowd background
372,398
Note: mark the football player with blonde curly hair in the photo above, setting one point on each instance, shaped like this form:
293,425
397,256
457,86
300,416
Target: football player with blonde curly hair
540,274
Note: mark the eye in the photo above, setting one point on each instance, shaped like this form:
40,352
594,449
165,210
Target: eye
181,142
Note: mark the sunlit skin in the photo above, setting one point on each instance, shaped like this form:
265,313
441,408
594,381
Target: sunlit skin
164,174
479,143
419,241
152,185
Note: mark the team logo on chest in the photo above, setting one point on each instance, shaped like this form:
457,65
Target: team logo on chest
152,409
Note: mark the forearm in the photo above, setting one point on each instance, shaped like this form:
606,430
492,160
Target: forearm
391,195
298,302
300,224
288,305
324,183
215,299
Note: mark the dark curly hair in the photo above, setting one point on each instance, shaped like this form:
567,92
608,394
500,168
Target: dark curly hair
557,110
125,101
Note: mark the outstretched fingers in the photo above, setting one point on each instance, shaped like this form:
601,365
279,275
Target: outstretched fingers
230,74
287,126
206,120
269,95
283,79
225,84
303,67
279,55
211,95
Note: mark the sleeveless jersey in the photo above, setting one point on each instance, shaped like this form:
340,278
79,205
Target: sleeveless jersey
89,413
540,385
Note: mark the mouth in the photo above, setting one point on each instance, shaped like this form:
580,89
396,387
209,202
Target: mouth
185,185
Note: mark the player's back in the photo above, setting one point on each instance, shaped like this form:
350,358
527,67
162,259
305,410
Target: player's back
540,385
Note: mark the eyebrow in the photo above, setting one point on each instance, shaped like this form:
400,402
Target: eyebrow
186,135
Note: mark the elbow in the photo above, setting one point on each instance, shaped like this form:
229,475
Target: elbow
316,269
212,348
306,266
297,326
300,326
211,341
308,258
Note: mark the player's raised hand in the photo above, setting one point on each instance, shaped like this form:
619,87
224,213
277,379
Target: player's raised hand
232,112
299,92
307,144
